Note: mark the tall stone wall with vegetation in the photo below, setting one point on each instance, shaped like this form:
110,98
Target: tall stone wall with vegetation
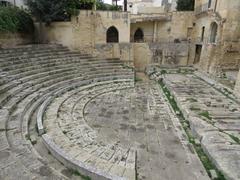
16,27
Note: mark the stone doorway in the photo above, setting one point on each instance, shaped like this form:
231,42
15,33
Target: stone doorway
112,35
198,52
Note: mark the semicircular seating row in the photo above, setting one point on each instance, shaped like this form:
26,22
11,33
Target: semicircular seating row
56,83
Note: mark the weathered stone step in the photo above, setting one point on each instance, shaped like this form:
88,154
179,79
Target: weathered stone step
30,48
48,67
24,54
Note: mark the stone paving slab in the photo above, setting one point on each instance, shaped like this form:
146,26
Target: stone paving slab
213,118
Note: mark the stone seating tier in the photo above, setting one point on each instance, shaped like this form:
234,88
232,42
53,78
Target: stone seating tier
31,74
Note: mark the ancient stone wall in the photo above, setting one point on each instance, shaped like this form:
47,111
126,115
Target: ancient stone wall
162,54
57,32
123,51
148,30
87,29
224,53
13,39
180,27
166,30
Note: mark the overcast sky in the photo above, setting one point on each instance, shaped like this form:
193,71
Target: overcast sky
110,2
121,1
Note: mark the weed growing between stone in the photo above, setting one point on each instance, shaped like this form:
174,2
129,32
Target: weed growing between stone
205,114
236,139
76,173
137,79
208,165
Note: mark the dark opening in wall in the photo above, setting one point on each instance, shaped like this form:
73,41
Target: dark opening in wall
112,35
203,32
138,35
209,3
213,33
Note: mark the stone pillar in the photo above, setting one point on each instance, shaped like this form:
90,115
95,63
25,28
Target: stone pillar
155,30
237,86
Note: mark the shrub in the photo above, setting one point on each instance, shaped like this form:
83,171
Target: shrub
13,19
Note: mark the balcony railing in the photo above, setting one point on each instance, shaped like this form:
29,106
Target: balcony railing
202,9
150,17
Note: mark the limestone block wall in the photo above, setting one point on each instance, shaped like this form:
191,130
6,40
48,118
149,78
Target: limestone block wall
181,25
142,55
224,54
123,51
177,27
163,54
13,39
148,30
57,32
86,30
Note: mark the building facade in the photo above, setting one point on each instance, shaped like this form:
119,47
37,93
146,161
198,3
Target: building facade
18,3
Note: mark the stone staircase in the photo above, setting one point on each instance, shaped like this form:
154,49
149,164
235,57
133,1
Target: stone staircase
50,85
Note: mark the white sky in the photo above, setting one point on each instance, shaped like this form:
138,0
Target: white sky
110,2
121,1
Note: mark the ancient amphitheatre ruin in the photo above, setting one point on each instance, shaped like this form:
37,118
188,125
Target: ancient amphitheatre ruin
149,93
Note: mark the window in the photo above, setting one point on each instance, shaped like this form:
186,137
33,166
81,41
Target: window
213,33
112,35
209,3
203,32
138,36
4,3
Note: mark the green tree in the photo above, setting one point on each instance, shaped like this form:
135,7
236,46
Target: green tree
13,19
185,5
50,10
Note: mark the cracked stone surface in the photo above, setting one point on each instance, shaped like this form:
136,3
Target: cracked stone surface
214,119
140,118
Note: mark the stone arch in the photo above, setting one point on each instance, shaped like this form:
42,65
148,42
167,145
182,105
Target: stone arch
138,35
213,32
112,35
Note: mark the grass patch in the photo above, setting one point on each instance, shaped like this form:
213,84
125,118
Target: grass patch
34,142
185,71
208,165
137,79
76,173
195,109
205,114
236,139
163,71
171,99
27,136
227,91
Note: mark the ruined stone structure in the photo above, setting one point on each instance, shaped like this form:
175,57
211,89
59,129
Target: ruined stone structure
78,106
216,35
